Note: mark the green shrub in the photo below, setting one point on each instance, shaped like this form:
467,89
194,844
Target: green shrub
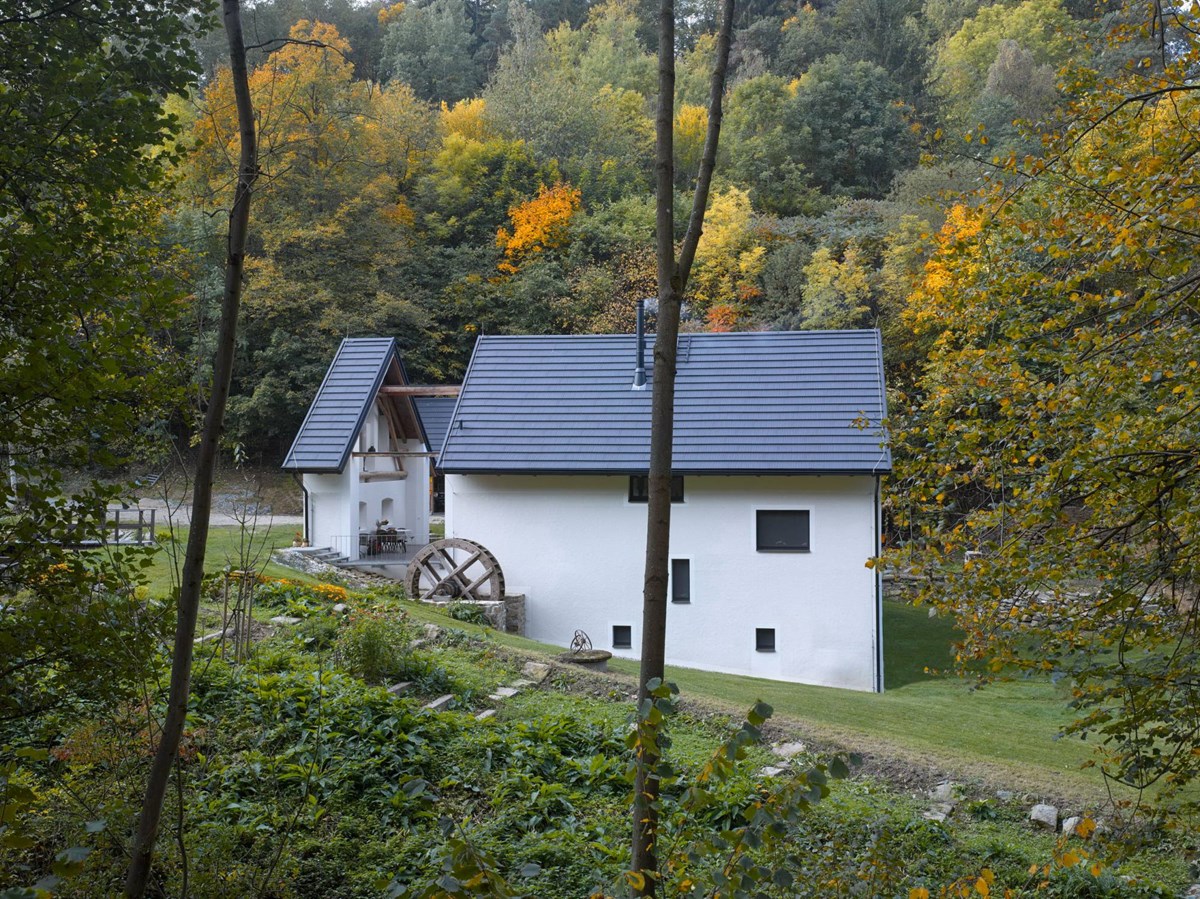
375,647
470,612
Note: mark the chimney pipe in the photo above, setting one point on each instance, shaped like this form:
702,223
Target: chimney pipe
639,373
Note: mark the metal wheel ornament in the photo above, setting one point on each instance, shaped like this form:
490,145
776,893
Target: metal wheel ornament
454,568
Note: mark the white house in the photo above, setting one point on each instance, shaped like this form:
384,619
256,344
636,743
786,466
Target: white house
777,465
364,454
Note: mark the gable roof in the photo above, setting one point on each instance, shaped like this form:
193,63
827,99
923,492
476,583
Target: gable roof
745,403
326,438
435,412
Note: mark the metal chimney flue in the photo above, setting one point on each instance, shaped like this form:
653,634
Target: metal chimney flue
639,373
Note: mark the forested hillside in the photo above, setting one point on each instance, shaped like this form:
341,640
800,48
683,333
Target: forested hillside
439,170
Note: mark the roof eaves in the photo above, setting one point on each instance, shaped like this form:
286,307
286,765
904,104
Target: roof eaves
458,402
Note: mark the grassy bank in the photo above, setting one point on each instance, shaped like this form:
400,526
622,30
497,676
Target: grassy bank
1004,733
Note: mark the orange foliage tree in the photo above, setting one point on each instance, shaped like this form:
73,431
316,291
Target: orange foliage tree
538,225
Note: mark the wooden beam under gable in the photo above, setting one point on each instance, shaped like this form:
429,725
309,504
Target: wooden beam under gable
398,405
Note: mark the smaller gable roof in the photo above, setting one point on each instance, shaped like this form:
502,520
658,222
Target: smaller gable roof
327,435
436,412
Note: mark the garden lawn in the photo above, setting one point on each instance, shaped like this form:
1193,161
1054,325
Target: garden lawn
227,548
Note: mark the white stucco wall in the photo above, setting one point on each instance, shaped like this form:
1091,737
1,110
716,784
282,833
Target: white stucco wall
341,506
574,545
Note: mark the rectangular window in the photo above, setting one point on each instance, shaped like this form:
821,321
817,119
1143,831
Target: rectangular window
764,639
622,636
781,530
681,580
639,488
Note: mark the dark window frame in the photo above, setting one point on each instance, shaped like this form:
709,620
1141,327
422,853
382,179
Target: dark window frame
628,644
802,545
764,639
639,488
685,597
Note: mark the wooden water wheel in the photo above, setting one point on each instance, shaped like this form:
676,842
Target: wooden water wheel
454,568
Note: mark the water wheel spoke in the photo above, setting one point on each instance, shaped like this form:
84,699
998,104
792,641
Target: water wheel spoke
458,570
435,571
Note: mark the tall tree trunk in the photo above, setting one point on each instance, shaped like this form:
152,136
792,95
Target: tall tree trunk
673,276
210,437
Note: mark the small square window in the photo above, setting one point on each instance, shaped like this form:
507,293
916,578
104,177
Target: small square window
681,580
781,530
764,639
639,488
622,636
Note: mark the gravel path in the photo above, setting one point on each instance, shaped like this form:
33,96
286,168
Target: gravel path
223,514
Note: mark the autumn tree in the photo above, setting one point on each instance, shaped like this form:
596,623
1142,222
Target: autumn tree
538,225
729,259
1054,433
341,164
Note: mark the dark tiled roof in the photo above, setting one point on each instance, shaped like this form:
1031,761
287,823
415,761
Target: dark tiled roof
435,412
326,438
746,403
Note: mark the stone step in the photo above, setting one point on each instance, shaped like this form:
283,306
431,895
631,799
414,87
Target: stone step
441,703
485,715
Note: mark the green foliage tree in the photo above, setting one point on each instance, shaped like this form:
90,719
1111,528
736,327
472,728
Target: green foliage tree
571,96
760,149
849,127
432,49
85,301
1042,28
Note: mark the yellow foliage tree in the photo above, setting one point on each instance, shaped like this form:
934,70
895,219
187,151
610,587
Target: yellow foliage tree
466,117
729,259
691,124
837,292
537,225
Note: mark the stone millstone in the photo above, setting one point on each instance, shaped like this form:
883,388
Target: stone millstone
1045,816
